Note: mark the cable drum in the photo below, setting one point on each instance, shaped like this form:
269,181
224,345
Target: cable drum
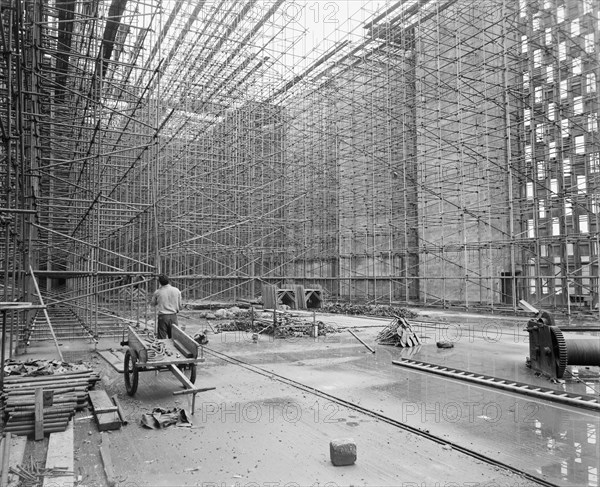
582,349
553,348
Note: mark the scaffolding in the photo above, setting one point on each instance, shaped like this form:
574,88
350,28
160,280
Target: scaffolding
441,153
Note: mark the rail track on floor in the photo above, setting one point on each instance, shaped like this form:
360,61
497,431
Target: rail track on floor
381,417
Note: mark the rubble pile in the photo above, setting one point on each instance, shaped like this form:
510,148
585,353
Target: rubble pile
262,323
368,310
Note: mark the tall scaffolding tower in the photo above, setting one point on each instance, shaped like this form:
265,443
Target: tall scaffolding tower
443,153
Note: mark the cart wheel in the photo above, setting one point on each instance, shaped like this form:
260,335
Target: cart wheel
189,371
131,373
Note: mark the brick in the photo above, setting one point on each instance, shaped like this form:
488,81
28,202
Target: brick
342,452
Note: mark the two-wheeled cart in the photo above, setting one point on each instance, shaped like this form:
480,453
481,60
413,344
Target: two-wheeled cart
180,354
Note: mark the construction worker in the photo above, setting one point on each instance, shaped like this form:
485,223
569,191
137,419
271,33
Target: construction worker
167,300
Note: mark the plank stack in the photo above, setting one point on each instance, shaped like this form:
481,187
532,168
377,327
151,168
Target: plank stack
44,403
398,333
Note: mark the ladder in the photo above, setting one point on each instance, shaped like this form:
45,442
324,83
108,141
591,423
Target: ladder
572,399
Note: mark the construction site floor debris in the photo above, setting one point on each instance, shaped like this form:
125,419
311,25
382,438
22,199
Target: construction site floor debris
257,430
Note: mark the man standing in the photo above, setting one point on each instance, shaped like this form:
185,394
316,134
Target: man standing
167,300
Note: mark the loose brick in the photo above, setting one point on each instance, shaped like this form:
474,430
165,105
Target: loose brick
342,452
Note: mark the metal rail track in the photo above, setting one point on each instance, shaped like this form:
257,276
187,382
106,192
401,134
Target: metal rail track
378,416
563,397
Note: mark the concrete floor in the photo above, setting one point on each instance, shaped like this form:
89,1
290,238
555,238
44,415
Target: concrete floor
255,430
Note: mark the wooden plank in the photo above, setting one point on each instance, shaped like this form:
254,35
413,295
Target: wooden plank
195,390
120,410
184,340
60,454
20,380
112,409
269,295
528,307
107,460
100,400
184,351
181,377
189,387
361,341
5,445
39,414
105,411
136,344
17,453
300,296
14,306
114,361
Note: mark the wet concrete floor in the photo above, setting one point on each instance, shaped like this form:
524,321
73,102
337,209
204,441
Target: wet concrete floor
256,431
550,440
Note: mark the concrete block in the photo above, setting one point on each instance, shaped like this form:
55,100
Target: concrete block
342,451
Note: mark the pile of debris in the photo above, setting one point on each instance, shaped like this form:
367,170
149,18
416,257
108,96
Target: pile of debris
52,390
289,327
284,326
367,310
33,368
34,474
223,313
398,333
239,325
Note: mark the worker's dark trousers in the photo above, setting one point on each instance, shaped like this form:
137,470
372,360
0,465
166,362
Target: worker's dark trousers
164,325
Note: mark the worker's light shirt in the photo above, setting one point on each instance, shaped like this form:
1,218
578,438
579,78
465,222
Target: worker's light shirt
167,300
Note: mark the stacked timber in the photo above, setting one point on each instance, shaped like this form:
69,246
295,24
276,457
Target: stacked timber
48,400
398,333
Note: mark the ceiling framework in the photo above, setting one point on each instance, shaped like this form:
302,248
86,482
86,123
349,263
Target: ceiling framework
443,153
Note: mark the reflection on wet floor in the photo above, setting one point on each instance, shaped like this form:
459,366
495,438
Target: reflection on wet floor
576,442
550,440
